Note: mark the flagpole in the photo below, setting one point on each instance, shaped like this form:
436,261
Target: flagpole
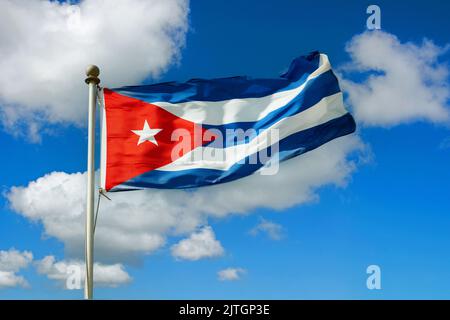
92,73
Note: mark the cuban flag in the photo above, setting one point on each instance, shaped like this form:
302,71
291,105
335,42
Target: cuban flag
202,132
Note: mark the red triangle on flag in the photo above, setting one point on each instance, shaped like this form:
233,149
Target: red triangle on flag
133,143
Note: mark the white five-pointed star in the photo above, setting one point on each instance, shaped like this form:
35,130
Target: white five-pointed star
147,134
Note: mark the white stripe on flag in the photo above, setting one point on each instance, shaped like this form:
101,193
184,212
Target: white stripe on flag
239,110
327,109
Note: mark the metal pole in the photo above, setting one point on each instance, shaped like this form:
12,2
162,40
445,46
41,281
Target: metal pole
92,73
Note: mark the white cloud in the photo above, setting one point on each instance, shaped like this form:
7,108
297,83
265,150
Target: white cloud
9,279
273,230
48,45
199,245
104,275
138,222
230,274
11,262
406,82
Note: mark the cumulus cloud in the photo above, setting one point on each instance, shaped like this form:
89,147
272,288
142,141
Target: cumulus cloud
49,44
199,245
11,262
9,279
230,274
104,275
139,222
406,82
273,230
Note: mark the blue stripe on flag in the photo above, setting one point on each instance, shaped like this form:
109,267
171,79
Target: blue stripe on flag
224,88
318,88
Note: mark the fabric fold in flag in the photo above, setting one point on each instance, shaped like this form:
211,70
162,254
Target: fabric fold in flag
202,132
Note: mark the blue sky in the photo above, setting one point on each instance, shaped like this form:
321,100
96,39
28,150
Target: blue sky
394,211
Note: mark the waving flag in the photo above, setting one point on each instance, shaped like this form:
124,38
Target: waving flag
203,132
